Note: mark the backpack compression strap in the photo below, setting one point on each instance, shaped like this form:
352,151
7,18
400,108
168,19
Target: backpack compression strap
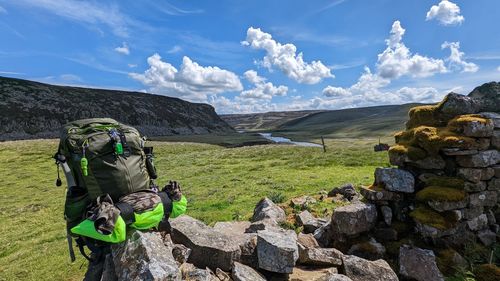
167,203
126,212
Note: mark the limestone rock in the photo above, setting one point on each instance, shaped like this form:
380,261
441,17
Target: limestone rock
130,256
458,151
360,269
472,212
395,179
370,250
192,273
378,195
277,250
478,223
235,230
478,129
320,256
476,175
494,184
455,104
222,275
249,252
418,264
432,162
266,209
481,160
301,273
181,253
347,190
308,221
487,96
386,214
242,272
209,248
307,240
495,117
323,234
495,139
354,218
442,206
108,273
497,170
484,198
487,237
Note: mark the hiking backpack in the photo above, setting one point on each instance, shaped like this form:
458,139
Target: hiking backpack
107,166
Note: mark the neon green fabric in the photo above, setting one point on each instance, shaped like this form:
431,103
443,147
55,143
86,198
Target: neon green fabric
178,207
148,219
86,228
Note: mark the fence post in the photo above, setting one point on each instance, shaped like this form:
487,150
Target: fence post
323,142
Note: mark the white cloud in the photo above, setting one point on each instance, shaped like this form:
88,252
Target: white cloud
88,13
331,91
455,60
123,49
446,12
397,60
262,90
174,49
285,58
192,82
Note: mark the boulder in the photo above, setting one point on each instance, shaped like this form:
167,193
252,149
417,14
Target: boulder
302,202
478,223
347,191
222,275
476,175
485,198
262,225
108,272
472,212
249,253
378,194
181,253
360,269
480,160
319,256
478,129
235,230
192,273
266,209
354,218
307,240
277,250
455,104
308,221
474,187
418,264
394,179
487,97
432,162
370,250
130,256
242,272
323,235
209,248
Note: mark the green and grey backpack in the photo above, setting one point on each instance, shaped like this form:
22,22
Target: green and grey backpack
110,174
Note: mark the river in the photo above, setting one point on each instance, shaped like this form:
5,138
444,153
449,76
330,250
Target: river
288,141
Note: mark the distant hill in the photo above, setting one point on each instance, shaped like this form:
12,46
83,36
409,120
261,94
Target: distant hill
35,110
264,121
376,121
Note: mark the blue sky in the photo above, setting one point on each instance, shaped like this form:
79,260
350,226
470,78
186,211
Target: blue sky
255,56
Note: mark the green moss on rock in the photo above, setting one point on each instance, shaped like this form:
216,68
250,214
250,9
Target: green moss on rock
446,182
440,193
427,216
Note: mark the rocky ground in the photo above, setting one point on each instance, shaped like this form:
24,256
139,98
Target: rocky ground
434,216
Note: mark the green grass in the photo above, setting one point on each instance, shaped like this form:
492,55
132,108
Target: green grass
220,184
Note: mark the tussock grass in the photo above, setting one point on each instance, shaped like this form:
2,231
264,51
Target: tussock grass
220,184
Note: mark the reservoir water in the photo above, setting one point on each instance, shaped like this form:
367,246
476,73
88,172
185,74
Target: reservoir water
288,141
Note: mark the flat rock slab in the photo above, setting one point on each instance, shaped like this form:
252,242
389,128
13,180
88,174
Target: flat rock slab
354,218
320,256
143,256
242,272
192,273
360,269
277,250
308,221
301,273
209,248
394,179
418,264
266,209
482,159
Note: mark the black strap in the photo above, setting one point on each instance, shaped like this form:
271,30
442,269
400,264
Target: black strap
167,203
81,244
126,212
70,247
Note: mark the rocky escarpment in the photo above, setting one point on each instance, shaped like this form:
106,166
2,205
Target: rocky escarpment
36,110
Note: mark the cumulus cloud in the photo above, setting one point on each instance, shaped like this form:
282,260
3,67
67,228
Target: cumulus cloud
262,90
331,91
456,61
192,81
446,12
397,60
123,49
285,58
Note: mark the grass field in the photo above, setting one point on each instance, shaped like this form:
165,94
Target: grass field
220,184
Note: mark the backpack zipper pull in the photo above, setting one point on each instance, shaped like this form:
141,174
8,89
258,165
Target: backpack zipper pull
84,162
